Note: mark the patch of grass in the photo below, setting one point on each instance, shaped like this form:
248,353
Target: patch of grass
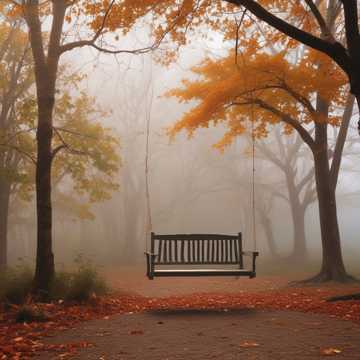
15,284
80,285
29,314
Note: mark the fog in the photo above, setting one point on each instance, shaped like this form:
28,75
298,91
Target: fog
193,187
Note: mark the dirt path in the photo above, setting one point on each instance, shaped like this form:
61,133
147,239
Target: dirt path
133,280
200,335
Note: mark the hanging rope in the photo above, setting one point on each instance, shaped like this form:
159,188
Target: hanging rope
253,182
148,217
253,210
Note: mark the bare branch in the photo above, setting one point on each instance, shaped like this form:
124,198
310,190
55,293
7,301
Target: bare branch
325,31
19,150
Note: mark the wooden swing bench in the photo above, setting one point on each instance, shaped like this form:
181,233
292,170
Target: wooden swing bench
205,254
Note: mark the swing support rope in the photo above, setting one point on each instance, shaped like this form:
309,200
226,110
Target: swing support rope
253,204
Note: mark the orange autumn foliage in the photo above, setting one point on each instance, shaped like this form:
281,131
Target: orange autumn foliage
173,21
262,89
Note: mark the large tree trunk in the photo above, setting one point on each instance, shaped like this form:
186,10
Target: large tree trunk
44,257
332,262
4,215
46,67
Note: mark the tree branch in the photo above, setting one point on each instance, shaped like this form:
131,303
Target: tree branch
309,176
19,150
289,120
325,31
340,141
335,50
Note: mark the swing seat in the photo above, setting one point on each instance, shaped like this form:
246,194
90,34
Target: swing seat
205,254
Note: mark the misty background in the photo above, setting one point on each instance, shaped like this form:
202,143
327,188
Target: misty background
193,187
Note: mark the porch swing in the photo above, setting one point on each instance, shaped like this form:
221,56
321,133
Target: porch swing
196,255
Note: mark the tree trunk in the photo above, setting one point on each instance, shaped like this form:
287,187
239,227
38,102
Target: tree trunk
4,215
298,217
45,268
300,252
46,68
267,226
332,262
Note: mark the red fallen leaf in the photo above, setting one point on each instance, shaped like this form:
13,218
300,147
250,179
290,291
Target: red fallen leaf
136,332
248,344
20,338
330,351
65,355
7,350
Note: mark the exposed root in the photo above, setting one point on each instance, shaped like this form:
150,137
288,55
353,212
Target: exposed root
324,277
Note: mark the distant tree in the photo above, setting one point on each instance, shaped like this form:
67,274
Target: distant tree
300,192
15,81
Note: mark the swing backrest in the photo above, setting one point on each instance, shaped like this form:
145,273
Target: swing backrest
197,249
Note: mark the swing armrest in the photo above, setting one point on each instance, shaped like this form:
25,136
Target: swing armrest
150,254
254,254
150,257
250,253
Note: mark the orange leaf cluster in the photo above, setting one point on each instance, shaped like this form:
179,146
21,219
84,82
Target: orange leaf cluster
260,89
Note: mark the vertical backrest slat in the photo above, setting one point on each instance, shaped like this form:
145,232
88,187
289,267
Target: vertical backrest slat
203,251
176,250
193,251
165,251
182,251
226,250
222,250
217,250
170,250
188,251
160,242
236,250
207,250
198,252
212,251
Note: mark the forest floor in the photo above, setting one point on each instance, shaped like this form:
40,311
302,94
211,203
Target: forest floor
198,319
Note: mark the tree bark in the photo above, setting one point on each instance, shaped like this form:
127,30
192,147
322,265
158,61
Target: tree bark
45,267
46,68
332,267
4,215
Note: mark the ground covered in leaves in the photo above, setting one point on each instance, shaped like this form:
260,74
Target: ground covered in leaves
24,340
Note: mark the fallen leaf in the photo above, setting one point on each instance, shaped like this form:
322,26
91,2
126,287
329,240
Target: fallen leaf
248,344
330,351
136,332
